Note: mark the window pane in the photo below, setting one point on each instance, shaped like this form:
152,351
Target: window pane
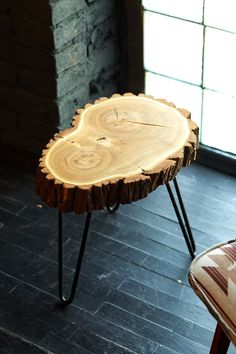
190,10
181,94
220,59
220,14
169,48
219,121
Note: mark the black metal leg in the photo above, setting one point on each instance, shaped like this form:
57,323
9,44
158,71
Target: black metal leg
113,208
183,222
79,261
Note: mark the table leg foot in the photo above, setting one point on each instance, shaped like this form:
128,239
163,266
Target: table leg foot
183,220
70,298
113,208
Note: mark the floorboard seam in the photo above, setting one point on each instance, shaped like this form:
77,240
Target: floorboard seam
22,339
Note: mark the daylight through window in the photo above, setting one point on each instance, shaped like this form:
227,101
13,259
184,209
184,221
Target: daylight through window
189,58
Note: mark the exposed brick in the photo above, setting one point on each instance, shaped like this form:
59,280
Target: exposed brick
77,98
73,53
70,79
99,10
29,9
4,5
103,88
105,83
103,32
55,56
64,8
32,33
50,12
6,28
48,85
41,60
5,50
69,29
37,129
38,83
7,73
8,119
22,101
18,144
98,58
31,58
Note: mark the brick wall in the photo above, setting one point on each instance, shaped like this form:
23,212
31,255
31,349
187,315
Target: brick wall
55,55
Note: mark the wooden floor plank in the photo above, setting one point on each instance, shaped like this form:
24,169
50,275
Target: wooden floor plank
150,330
223,214
10,343
133,295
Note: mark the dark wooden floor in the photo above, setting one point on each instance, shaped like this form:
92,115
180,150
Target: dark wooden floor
133,295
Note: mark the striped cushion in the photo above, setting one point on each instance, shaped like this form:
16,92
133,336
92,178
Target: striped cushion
212,275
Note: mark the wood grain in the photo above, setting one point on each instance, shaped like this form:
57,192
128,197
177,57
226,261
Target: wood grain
118,150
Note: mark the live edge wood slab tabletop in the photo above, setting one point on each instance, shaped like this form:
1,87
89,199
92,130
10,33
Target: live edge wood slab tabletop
118,150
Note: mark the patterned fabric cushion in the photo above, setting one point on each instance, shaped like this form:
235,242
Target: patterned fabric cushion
212,275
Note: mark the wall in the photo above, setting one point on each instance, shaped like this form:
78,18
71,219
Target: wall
55,55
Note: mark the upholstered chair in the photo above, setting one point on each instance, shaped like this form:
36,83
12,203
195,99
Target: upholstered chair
212,276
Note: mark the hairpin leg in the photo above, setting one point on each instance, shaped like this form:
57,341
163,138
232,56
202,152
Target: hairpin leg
113,208
183,220
79,261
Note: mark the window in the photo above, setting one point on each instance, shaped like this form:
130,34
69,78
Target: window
190,59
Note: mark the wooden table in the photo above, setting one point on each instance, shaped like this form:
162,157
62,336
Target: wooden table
118,151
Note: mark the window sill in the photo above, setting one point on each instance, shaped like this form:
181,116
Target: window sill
217,159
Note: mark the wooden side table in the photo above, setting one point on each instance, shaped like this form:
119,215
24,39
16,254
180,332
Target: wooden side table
118,151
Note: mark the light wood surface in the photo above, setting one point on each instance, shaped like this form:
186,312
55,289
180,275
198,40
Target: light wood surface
118,150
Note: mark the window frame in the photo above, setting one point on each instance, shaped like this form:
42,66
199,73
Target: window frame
134,64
